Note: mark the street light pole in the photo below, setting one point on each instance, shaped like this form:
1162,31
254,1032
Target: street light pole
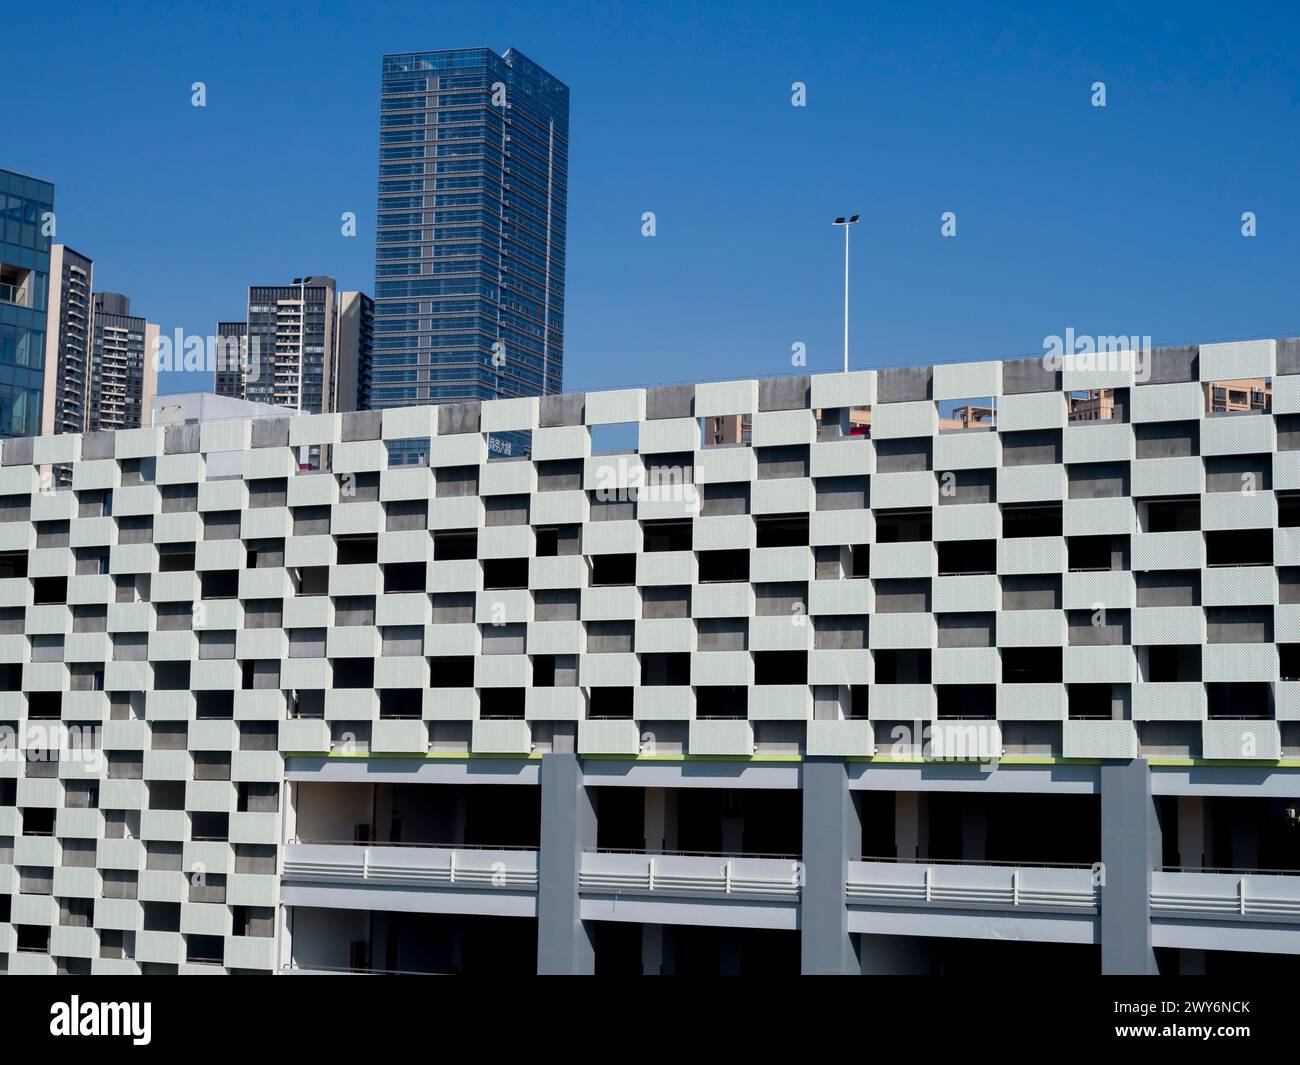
846,222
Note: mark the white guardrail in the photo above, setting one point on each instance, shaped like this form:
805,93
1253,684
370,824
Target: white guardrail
1262,896
411,866
690,874
912,884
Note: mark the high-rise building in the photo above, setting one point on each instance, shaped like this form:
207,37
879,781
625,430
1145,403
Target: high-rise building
875,688
303,346
353,351
100,371
123,371
27,217
291,344
68,342
232,359
470,236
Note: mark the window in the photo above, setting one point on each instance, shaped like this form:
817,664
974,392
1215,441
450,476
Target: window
1031,665
556,540
1239,547
723,566
221,525
505,704
505,573
611,703
455,544
967,556
404,577
781,667
400,704
667,535
175,558
49,590
405,515
354,672
773,531
358,550
968,702
219,584
1024,521
613,570
311,580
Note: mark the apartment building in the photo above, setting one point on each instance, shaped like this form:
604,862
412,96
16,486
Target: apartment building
303,345
123,377
291,344
934,698
100,373
68,341
354,345
232,359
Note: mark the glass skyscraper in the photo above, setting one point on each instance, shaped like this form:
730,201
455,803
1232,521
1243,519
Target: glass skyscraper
469,258
26,211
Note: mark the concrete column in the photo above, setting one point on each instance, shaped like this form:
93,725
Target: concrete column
652,950
729,953
1245,844
564,737
832,835
457,947
670,819
285,920
1193,832
289,813
461,817
1130,850
911,832
974,832
654,820
379,958
288,831
564,942
668,940
383,807
846,422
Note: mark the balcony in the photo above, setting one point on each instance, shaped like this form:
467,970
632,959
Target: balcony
1226,909
411,878
1262,896
749,891
1046,903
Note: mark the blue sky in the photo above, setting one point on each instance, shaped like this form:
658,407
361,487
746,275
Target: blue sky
1117,220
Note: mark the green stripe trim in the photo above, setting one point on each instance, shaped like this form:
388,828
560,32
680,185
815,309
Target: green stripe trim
792,759
437,756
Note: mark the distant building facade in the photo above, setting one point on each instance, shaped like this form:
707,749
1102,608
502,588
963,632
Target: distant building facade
69,342
26,221
124,373
470,238
304,345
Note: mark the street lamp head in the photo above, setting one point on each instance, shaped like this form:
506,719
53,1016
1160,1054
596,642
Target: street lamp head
842,221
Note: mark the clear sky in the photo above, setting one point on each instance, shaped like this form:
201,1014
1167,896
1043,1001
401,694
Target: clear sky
1117,220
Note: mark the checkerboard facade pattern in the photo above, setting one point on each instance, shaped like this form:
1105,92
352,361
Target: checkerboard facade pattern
848,575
